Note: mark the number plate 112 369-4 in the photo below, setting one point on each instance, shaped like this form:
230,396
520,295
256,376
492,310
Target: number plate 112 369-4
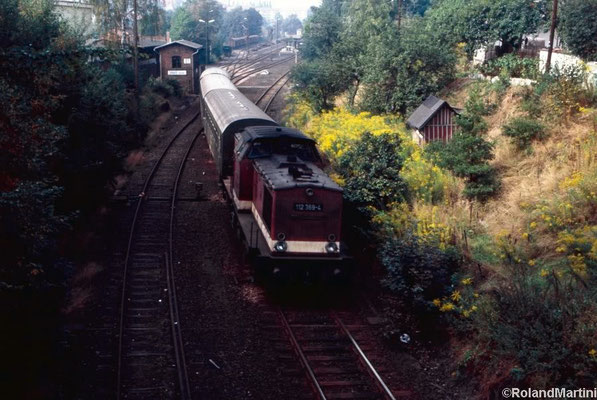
308,207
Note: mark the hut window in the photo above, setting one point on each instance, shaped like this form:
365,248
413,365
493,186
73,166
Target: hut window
175,61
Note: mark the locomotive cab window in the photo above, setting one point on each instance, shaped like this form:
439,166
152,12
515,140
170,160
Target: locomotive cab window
176,62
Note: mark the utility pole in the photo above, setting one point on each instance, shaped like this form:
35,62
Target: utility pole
552,30
207,38
277,29
135,48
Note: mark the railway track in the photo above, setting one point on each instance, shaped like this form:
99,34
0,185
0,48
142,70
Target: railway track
242,67
267,97
151,359
254,71
334,362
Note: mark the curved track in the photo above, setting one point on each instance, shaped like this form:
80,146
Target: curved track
267,97
151,359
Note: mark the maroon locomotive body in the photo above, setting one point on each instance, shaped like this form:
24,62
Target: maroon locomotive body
288,209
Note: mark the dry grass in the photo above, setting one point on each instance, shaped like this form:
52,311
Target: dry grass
527,178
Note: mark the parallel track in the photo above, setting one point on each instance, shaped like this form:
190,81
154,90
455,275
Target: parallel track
272,91
245,75
151,359
251,61
335,364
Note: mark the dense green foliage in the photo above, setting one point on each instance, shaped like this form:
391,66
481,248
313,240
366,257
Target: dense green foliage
371,171
66,126
239,23
186,23
512,66
482,22
417,271
291,24
578,27
361,50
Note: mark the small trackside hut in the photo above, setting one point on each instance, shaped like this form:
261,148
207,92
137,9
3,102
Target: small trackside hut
179,60
434,120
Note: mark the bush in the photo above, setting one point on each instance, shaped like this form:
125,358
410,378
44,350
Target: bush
176,87
160,87
512,66
371,171
417,271
523,130
546,327
567,90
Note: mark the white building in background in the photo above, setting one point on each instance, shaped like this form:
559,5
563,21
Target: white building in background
78,14
172,4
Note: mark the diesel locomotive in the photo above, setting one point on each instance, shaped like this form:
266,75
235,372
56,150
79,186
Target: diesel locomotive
287,210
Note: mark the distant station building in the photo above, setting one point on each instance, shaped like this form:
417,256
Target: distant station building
433,120
180,60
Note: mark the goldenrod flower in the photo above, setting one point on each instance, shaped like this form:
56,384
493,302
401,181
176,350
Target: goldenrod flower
437,302
544,272
447,307
532,263
593,353
467,281
456,295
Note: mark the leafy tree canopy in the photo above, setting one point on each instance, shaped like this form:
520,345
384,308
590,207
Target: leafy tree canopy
291,24
481,22
578,27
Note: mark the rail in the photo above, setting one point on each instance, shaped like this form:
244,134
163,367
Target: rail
140,201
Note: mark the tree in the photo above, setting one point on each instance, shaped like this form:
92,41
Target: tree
322,31
408,67
254,21
320,81
481,22
186,23
468,154
153,18
234,24
578,27
291,24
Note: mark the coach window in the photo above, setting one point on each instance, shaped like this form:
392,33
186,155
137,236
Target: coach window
175,61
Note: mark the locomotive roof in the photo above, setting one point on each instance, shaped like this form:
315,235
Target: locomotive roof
263,132
232,110
281,173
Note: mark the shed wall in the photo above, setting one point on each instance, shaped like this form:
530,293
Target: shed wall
441,127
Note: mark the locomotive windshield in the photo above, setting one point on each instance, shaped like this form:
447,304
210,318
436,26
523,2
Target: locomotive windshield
304,150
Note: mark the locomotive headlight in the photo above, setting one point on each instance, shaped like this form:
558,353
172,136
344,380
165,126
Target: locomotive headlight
280,246
331,247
